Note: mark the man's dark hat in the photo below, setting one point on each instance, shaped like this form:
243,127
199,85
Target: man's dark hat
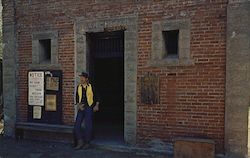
84,74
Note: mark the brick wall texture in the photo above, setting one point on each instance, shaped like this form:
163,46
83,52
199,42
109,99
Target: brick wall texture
192,98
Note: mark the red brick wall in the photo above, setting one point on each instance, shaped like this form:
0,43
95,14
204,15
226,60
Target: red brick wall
191,97
8,12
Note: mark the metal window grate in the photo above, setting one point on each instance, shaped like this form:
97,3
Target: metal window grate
107,44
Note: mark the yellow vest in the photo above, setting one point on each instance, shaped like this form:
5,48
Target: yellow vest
89,93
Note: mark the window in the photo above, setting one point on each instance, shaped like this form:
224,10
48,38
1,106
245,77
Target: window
171,39
171,43
45,50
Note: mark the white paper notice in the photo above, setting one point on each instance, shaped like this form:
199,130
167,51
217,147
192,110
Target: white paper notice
36,88
37,112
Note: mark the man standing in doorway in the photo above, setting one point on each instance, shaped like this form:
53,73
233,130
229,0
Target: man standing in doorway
87,102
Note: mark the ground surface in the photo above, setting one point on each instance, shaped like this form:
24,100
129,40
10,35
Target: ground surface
10,148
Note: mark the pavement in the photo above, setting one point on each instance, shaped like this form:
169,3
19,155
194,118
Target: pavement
11,148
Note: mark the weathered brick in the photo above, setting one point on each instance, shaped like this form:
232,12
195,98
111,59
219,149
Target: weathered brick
191,97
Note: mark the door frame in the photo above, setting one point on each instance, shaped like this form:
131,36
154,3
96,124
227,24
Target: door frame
237,79
84,26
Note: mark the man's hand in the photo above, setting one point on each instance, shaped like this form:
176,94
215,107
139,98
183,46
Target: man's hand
80,106
96,107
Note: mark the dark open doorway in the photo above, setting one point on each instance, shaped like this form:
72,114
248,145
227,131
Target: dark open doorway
106,68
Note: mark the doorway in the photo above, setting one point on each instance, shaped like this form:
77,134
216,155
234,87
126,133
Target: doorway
106,68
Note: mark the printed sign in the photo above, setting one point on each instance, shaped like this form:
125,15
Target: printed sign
36,88
50,104
52,83
37,112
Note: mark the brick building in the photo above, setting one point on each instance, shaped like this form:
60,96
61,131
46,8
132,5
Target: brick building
169,68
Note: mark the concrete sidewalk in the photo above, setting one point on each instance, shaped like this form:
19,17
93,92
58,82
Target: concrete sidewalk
10,148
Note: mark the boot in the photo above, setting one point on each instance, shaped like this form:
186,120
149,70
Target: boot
86,146
74,141
79,144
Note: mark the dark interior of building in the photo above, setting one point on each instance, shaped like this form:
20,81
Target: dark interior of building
106,69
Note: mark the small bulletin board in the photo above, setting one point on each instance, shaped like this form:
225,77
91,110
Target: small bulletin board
45,96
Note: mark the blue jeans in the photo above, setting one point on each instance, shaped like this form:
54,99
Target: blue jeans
85,115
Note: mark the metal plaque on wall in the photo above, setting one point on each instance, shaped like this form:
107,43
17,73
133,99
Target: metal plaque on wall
150,89
50,102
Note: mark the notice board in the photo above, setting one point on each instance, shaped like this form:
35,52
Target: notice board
45,96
